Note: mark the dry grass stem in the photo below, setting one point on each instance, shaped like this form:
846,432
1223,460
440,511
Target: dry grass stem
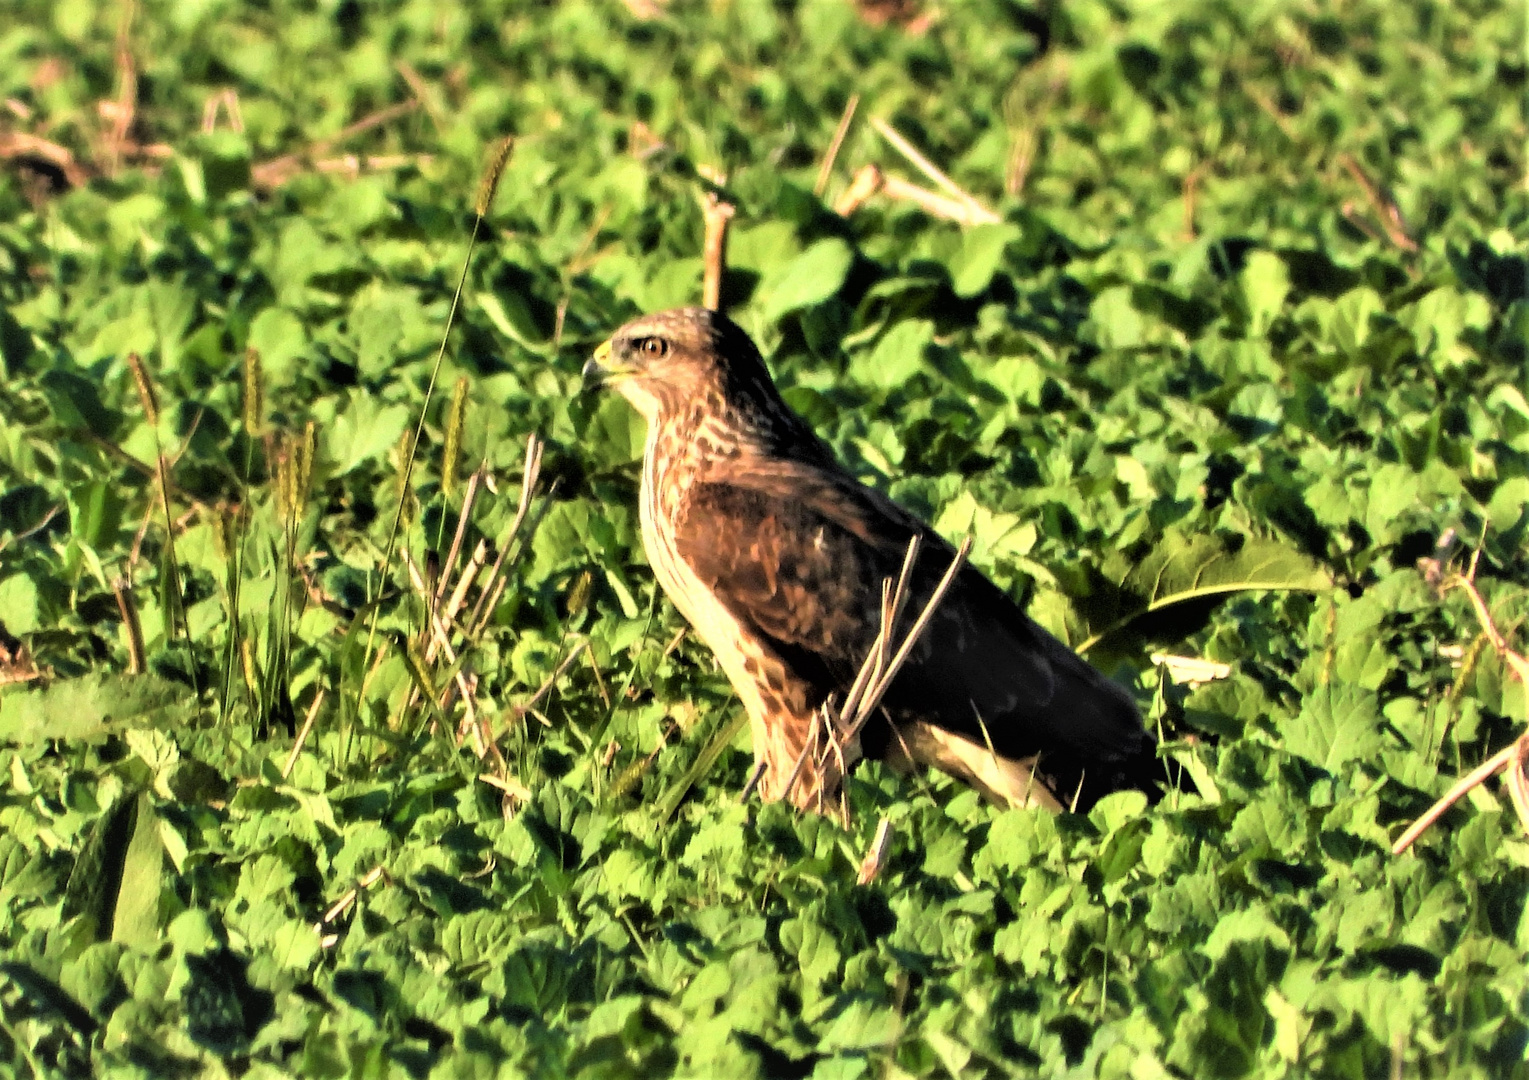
1266,103
1021,160
272,174
493,585
834,733
826,169
1381,204
226,101
717,214
422,94
936,205
1513,758
469,497
1191,198
129,612
755,775
302,734
876,856
343,904
507,784
977,213
865,183
551,680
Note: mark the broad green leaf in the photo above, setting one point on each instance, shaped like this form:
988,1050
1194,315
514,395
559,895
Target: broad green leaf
19,615
898,356
979,257
88,707
810,278
1265,282
278,336
364,432
1182,569
135,921
1337,724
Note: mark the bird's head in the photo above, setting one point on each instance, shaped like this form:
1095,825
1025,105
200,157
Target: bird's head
663,362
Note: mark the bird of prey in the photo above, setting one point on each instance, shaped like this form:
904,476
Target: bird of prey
777,556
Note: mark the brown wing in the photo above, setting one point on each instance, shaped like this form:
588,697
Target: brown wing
798,555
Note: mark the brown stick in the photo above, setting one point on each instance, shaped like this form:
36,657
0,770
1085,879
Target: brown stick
935,205
1191,188
422,94
16,144
124,108
978,212
302,734
1514,757
277,171
866,182
1021,158
1266,103
129,612
717,214
826,169
876,857
1384,207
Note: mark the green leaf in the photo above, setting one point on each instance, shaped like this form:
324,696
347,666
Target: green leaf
810,278
364,432
19,615
135,922
1338,723
979,257
90,706
1182,569
1265,282
278,336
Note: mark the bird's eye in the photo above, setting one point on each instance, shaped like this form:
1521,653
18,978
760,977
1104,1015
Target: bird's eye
653,348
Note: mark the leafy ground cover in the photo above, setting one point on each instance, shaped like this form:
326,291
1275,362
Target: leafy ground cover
1256,288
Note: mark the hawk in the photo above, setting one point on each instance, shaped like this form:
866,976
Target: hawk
777,556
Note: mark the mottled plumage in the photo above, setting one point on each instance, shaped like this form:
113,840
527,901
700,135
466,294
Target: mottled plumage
776,556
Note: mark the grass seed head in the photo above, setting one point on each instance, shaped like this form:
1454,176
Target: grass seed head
254,393
488,186
146,395
456,420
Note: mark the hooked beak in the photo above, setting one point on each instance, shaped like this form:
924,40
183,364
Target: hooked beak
596,368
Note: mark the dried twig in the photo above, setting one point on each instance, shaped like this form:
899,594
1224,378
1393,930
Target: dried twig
1513,758
717,214
129,611
866,182
302,733
1191,193
493,585
976,211
876,856
1384,207
225,100
272,174
826,169
122,112
16,144
422,94
834,733
1021,158
1266,103
934,204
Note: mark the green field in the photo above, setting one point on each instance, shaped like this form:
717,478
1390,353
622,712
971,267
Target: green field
1248,310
